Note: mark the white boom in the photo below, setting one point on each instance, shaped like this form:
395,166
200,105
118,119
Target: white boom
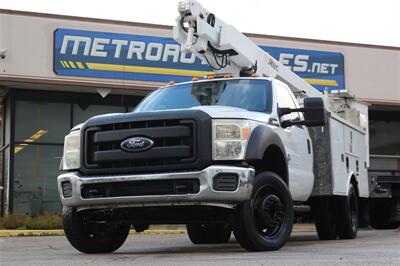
226,49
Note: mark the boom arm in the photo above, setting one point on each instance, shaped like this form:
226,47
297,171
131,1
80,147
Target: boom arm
225,49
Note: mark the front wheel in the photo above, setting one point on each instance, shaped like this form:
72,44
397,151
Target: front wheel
265,221
92,237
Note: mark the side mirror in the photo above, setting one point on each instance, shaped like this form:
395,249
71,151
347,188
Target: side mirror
313,110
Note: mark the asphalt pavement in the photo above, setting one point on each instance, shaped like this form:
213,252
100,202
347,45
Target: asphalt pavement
370,248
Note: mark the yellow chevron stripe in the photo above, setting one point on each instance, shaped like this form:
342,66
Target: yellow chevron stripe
62,63
180,72
80,65
72,64
66,64
147,70
322,82
32,138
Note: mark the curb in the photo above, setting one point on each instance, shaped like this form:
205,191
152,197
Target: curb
304,228
60,232
160,232
13,233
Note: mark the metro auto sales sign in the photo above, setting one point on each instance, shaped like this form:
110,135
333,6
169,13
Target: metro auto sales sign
152,58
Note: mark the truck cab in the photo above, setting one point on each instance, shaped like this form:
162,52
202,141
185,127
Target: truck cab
256,101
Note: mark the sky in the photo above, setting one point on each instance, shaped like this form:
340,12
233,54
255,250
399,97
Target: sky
358,21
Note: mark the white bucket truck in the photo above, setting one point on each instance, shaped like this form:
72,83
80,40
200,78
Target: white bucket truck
241,151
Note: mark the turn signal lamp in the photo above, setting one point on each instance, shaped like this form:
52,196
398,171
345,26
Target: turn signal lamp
171,82
245,132
195,78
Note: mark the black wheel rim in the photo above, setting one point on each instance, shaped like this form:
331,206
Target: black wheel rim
268,212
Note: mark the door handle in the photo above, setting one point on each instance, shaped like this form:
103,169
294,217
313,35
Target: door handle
308,146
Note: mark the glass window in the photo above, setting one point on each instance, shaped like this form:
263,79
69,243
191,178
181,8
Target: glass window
40,128
83,112
384,128
285,99
35,178
249,94
41,122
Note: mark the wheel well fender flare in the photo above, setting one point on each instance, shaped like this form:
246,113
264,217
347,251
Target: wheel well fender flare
351,179
261,139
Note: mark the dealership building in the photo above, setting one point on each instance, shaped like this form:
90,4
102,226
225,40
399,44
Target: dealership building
58,71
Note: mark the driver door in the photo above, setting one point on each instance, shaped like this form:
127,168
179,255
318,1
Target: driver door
296,140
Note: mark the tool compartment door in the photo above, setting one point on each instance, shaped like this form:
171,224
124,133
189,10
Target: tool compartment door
348,158
339,171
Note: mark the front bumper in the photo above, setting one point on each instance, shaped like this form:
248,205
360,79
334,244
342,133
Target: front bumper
206,195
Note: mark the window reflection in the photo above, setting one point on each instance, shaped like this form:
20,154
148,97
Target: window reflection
50,120
35,176
40,128
84,112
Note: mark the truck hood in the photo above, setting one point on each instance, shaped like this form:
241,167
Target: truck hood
223,112
232,112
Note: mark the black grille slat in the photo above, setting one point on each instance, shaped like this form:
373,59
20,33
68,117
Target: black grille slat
151,132
141,188
158,152
225,182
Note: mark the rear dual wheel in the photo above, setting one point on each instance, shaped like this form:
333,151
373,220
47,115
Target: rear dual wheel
336,216
324,217
381,212
347,214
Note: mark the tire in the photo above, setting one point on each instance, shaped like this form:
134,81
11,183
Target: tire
139,228
380,212
92,238
347,214
324,217
265,222
208,233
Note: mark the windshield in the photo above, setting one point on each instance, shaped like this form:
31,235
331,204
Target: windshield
249,94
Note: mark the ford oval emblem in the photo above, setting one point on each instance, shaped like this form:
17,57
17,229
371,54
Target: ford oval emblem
137,144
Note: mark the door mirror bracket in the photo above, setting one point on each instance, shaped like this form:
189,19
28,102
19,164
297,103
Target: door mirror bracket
313,110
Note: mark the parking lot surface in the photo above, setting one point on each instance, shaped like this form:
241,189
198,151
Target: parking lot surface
370,248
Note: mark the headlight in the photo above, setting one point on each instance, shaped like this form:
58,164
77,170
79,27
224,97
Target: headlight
72,147
230,139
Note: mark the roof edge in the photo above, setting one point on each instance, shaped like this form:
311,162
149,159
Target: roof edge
83,19
167,27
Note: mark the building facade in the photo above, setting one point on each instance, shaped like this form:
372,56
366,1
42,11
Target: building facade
57,71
